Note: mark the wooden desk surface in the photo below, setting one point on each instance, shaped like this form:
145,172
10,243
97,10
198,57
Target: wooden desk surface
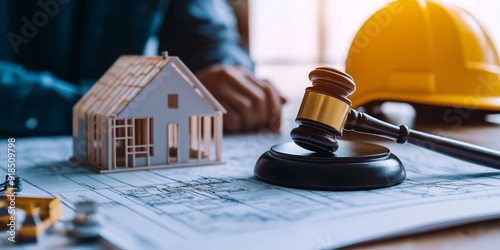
292,80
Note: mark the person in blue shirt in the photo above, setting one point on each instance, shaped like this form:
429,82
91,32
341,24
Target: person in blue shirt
52,51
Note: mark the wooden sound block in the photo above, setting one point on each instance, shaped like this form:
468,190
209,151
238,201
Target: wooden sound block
354,166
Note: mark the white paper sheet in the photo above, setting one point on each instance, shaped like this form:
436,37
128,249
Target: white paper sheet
226,207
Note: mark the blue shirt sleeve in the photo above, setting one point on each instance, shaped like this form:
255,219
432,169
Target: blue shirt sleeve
201,33
34,103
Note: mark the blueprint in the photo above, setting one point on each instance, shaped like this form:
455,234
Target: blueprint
225,206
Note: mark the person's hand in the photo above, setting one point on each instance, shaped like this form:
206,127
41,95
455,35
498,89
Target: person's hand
251,104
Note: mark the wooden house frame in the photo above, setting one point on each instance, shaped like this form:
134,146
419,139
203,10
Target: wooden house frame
147,113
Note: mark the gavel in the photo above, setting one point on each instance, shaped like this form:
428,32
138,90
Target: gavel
326,112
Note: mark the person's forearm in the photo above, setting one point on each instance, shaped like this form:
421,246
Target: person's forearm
34,103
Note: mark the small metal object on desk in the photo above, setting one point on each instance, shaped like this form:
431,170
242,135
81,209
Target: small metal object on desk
85,224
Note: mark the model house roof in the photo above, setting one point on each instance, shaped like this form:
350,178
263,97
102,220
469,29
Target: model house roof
126,78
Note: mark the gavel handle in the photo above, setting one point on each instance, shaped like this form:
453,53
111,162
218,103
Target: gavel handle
363,123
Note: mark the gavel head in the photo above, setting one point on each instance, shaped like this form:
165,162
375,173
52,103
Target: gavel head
324,110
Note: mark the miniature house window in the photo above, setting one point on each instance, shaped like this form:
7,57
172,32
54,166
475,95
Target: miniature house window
143,137
173,143
200,137
173,101
132,138
194,138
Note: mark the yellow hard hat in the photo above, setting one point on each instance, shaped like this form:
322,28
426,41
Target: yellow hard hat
423,52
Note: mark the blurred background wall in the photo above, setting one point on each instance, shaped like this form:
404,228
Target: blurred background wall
321,31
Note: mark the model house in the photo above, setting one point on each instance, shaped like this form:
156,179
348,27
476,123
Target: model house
147,113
